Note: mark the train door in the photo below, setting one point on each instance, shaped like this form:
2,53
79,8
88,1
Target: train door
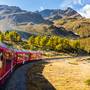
23,58
8,67
2,63
37,56
12,55
14,59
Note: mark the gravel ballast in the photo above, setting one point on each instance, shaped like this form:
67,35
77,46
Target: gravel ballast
16,81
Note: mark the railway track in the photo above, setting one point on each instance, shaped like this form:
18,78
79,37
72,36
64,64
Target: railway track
16,81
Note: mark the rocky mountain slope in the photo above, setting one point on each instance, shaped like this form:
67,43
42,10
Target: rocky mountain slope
54,17
15,15
80,26
68,12
65,23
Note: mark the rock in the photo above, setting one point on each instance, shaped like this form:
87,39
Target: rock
67,63
84,63
50,64
67,81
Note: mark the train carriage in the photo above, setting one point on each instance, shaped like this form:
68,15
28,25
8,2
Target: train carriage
22,57
35,56
10,58
7,62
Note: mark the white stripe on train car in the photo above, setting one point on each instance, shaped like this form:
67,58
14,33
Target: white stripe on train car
22,61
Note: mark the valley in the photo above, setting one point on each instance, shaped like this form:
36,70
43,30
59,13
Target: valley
60,23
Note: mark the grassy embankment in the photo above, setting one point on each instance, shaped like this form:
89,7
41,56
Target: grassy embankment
65,74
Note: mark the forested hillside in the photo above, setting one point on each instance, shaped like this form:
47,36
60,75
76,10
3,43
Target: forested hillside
43,43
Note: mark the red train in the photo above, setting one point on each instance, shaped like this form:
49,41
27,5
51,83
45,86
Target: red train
10,58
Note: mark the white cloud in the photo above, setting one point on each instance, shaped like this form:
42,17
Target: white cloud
70,2
41,8
71,6
78,2
85,11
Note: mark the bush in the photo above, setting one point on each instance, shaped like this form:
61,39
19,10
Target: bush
72,54
26,47
87,81
74,63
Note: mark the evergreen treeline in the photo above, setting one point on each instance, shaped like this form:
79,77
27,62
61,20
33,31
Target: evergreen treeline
43,43
56,44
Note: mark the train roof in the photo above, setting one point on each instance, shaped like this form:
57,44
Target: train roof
3,46
20,50
35,52
26,51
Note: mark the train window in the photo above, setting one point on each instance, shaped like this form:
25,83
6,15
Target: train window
14,56
8,58
19,56
1,58
27,56
33,55
39,55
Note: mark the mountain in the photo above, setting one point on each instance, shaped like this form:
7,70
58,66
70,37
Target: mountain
65,13
5,9
61,23
54,17
15,15
80,26
61,31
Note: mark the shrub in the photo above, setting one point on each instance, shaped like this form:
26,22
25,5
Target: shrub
72,54
26,47
87,81
74,63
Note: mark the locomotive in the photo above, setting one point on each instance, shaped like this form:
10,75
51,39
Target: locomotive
10,58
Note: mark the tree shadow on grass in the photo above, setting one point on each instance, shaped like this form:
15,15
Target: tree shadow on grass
35,80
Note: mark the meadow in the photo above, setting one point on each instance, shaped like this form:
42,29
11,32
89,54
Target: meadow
64,74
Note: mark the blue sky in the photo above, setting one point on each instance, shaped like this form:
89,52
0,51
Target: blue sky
82,6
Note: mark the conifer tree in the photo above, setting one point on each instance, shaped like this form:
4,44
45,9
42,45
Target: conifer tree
76,44
55,42
18,38
6,32
0,32
60,40
31,40
59,47
32,48
1,37
42,42
37,40
50,43
46,40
